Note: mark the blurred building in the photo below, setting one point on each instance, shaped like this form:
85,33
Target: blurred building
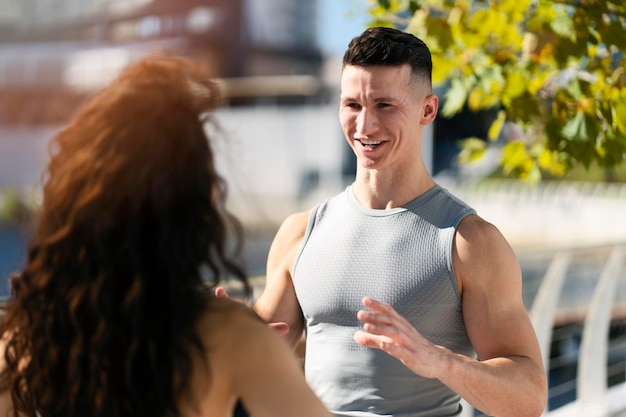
53,53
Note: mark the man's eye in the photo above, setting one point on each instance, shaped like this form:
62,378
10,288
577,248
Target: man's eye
383,105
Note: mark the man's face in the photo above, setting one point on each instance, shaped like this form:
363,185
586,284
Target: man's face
382,113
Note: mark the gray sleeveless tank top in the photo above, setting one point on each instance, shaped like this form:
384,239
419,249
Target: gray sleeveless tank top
402,256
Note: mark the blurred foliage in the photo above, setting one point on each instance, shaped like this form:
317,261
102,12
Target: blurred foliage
15,207
555,69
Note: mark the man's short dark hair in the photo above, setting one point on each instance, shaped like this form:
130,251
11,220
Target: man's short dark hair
393,47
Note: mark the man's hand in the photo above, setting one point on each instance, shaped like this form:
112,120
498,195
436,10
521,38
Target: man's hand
221,292
280,327
386,330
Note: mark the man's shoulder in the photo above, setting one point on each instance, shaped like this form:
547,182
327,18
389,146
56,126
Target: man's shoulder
440,207
475,234
296,221
291,231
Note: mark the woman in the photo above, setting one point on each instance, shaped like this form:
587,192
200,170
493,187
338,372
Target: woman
111,315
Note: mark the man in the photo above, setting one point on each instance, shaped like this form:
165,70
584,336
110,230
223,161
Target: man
441,287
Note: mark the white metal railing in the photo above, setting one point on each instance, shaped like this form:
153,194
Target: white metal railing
593,396
594,399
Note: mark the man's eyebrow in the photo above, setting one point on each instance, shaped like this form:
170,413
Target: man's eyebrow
382,99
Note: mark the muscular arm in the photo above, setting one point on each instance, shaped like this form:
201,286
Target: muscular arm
508,380
278,302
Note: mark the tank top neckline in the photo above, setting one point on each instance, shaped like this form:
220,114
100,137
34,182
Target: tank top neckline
420,200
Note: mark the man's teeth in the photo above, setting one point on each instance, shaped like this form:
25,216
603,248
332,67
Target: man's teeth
370,142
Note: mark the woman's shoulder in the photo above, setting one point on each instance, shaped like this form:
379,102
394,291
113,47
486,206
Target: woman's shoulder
226,319
224,305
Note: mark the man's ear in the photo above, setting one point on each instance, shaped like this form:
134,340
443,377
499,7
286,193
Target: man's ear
431,104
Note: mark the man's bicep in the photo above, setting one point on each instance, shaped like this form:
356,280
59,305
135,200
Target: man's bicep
495,316
498,330
286,243
278,301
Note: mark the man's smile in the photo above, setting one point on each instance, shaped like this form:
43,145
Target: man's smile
369,143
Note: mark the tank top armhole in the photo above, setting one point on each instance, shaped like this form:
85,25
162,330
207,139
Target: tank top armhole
316,213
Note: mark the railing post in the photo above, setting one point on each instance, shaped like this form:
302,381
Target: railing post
592,377
546,302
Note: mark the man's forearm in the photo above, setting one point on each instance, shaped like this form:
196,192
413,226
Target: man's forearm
503,387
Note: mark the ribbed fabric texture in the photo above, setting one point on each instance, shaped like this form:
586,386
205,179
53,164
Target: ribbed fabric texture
401,256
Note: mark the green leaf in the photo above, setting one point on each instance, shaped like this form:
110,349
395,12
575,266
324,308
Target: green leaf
620,116
550,161
472,149
574,90
455,98
563,26
515,159
516,85
496,126
533,175
576,128
490,76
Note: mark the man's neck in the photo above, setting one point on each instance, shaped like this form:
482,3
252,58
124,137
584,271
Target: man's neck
378,191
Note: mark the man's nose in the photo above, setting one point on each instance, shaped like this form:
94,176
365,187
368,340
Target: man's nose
366,123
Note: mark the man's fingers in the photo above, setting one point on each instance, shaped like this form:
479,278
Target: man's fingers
376,305
221,292
280,327
370,340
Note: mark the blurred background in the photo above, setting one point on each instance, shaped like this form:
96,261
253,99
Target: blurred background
277,61
282,149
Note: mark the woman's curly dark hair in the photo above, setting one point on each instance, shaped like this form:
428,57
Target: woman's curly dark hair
101,321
